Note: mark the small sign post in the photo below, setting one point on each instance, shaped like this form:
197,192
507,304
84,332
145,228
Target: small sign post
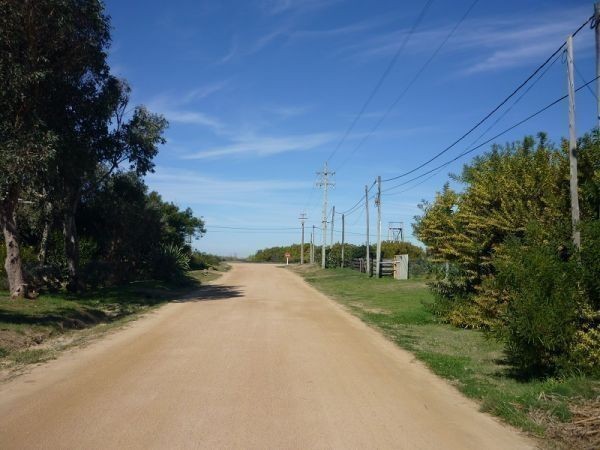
287,259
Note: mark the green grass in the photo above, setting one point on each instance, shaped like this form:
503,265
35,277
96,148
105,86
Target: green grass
26,326
474,363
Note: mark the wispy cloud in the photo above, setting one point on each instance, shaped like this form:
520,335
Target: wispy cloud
491,43
204,91
343,30
251,46
192,118
513,44
178,107
265,145
288,30
274,7
194,187
285,112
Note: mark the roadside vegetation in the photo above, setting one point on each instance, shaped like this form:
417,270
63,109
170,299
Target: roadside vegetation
75,212
419,265
85,244
514,270
477,365
35,331
509,308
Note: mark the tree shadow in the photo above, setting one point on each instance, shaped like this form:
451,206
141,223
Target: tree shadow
104,306
508,369
211,293
59,319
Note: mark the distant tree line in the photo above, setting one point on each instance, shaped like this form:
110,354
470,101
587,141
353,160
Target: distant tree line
334,253
512,267
73,205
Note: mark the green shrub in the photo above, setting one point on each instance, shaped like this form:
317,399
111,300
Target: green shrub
541,319
419,267
201,261
590,262
171,262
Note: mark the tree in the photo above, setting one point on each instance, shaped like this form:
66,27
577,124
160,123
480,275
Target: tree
504,191
46,47
178,225
108,144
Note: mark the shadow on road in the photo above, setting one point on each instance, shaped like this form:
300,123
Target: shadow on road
212,292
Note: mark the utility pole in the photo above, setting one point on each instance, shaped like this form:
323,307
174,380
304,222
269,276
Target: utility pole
378,203
312,245
332,222
573,145
343,236
367,210
596,22
302,220
324,183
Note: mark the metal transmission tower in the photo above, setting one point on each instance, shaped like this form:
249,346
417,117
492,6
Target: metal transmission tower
302,220
325,182
396,231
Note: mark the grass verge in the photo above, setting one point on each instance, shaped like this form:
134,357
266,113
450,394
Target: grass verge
34,331
474,363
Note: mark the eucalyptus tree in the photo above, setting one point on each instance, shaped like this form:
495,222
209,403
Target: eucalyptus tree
64,124
50,51
111,142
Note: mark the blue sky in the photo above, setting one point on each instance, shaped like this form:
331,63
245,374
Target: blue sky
259,93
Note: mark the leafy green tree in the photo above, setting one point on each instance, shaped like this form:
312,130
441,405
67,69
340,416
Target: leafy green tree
47,48
107,143
178,225
504,191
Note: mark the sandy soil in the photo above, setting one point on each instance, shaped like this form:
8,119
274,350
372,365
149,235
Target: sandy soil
260,360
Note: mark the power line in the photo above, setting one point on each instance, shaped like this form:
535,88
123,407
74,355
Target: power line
384,75
537,113
253,232
252,228
478,124
358,203
411,83
582,78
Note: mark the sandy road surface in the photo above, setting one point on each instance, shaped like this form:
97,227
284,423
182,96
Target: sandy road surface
261,360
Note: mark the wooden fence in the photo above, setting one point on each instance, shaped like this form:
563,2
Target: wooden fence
387,266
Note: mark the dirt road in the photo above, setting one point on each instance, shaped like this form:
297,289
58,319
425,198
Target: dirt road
261,360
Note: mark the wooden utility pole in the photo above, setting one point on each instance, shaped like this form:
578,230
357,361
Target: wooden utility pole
302,220
343,237
312,245
378,203
332,223
597,31
324,183
573,145
367,211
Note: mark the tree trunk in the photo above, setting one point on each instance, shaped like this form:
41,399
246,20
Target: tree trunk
43,253
13,263
71,250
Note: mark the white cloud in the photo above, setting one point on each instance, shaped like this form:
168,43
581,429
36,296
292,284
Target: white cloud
192,118
285,112
191,187
265,145
252,46
176,107
494,43
203,91
274,7
349,29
